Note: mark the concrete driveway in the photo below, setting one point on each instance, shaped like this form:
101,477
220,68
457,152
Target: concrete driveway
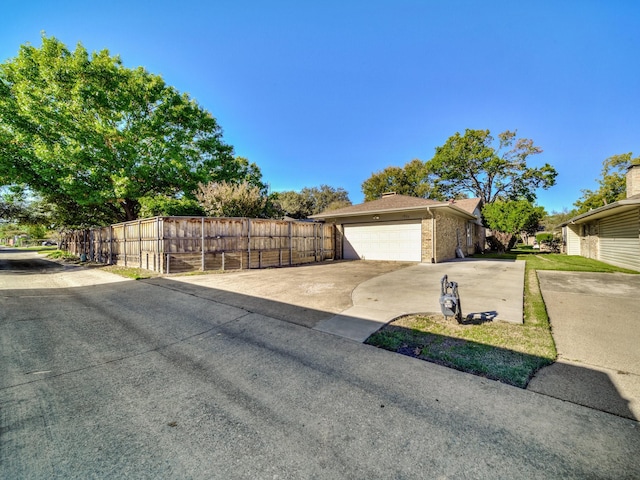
596,326
489,289
304,295
353,299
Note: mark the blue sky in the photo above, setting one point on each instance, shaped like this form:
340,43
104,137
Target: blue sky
330,92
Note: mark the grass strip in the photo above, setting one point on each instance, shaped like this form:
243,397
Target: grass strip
62,255
129,272
39,248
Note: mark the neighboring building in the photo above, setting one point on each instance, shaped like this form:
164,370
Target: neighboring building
610,233
402,228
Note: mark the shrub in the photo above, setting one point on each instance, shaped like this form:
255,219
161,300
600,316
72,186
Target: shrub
544,237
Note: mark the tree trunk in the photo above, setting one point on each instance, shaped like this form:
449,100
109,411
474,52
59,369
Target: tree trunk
131,209
503,241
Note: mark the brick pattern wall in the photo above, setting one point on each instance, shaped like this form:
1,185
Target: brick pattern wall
633,180
427,240
449,230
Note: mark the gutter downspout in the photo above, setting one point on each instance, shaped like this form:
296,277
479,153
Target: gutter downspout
433,235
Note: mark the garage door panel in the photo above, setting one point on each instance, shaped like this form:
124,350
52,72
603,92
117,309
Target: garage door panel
399,241
620,240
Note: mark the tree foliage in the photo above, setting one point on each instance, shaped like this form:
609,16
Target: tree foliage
225,199
555,218
509,218
414,179
612,183
473,164
310,201
94,137
19,205
161,205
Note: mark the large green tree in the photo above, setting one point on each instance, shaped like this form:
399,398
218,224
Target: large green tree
94,137
474,164
414,179
612,184
507,218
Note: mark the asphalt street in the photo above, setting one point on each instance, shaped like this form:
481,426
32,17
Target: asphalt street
102,377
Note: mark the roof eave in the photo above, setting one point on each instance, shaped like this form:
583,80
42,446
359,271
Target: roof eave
456,209
604,211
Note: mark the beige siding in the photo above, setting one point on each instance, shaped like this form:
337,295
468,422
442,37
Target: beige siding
572,233
620,240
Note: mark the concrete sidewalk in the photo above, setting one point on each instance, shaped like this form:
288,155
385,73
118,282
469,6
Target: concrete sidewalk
489,289
596,327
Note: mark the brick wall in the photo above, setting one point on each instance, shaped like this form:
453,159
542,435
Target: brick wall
427,240
633,180
449,230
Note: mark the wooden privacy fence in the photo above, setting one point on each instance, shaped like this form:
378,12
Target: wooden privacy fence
182,244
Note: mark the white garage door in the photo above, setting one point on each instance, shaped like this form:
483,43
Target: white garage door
399,241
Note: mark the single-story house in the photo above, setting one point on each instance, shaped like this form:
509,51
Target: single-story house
403,228
610,233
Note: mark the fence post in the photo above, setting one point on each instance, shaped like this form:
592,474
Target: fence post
124,236
315,242
202,241
223,260
158,245
290,243
91,245
140,242
248,244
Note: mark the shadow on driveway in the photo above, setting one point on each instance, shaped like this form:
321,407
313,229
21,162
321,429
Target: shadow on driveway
596,327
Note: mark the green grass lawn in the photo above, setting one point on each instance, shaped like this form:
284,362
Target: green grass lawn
558,261
39,248
501,351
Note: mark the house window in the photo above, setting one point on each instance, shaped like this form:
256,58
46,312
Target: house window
469,234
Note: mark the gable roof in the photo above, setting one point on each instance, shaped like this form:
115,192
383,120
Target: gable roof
468,204
396,203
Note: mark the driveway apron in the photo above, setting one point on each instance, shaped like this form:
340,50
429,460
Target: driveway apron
596,327
491,289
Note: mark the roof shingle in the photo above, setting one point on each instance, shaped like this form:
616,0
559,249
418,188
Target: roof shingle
393,202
